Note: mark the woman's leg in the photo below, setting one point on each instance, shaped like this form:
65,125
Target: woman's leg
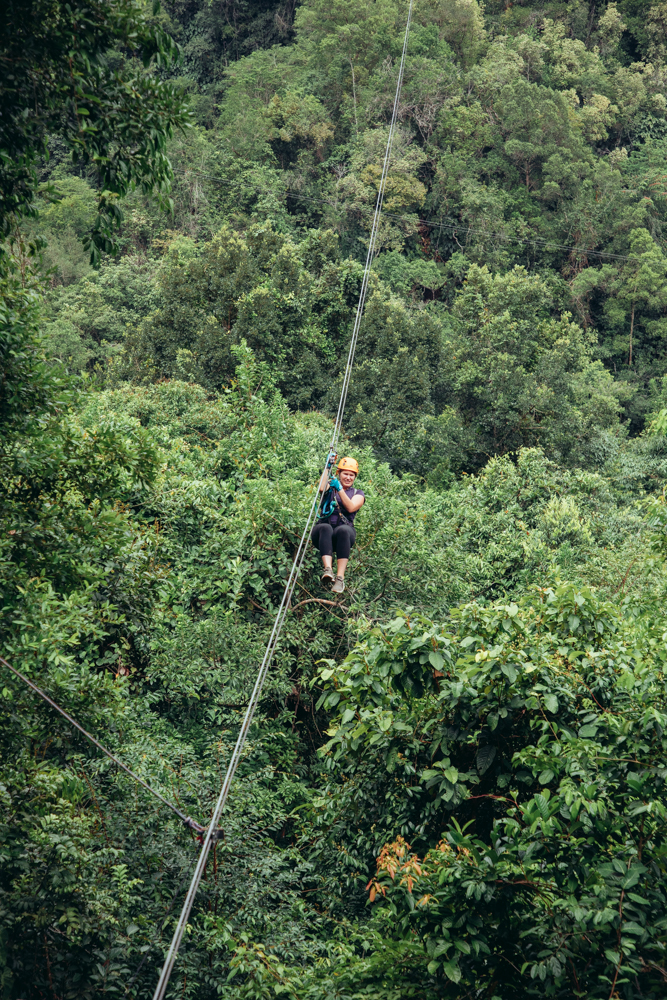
343,539
322,536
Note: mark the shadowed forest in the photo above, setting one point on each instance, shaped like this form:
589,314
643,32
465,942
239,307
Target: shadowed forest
454,785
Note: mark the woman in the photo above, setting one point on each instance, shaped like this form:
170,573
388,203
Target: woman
336,533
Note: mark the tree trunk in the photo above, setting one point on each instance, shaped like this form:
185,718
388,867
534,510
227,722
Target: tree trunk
591,21
632,326
354,97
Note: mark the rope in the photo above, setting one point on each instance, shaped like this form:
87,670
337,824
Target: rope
372,240
451,225
185,819
179,930
458,227
161,927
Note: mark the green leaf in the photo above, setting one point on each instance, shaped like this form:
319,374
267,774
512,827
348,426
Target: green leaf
509,671
542,806
485,757
631,927
631,878
452,971
551,703
436,660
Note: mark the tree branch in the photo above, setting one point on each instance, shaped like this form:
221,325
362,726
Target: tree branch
317,600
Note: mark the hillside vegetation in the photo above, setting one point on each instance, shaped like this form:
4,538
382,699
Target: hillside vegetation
454,785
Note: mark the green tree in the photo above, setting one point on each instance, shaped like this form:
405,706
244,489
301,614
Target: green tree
65,69
66,217
213,36
516,375
298,120
29,393
552,879
149,519
358,186
640,283
350,39
396,377
460,23
290,300
627,300
536,127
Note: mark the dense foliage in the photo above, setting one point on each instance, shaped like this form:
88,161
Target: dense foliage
88,70
454,786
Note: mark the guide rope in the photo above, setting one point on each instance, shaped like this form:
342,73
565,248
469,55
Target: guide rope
450,225
190,823
170,959
463,230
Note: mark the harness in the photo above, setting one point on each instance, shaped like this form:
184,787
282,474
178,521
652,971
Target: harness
329,507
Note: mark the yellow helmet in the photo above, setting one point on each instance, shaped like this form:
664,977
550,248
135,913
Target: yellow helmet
350,464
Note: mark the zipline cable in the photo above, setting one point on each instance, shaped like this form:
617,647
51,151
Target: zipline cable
449,225
458,227
170,959
185,819
372,241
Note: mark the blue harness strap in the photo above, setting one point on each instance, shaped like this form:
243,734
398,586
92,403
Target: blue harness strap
328,505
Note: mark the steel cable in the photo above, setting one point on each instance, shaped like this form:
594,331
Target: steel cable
179,930
464,230
449,225
372,240
26,680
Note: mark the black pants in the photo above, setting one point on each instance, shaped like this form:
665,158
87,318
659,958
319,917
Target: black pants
339,539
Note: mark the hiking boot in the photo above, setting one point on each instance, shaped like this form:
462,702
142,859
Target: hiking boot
339,585
327,575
